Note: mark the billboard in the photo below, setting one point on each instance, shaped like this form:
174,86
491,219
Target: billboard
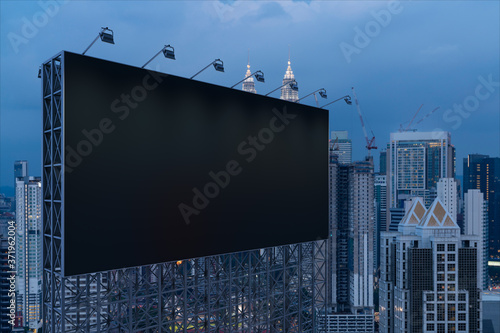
160,168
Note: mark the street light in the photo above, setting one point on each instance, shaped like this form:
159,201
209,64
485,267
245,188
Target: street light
346,98
106,36
322,93
168,52
293,86
259,76
218,65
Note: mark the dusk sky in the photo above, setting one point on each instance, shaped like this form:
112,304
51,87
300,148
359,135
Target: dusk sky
397,55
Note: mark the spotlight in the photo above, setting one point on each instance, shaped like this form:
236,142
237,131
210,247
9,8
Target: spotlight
259,76
106,36
218,65
168,52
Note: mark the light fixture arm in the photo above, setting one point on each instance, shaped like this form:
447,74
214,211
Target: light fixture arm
309,94
154,56
338,99
213,62
95,40
292,82
247,78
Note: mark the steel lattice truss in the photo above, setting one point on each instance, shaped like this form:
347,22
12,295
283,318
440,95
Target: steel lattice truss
277,289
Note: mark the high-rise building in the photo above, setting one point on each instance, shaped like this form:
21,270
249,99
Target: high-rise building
249,84
482,172
448,194
429,278
383,162
351,260
287,93
338,294
29,250
361,230
416,161
381,210
342,146
476,223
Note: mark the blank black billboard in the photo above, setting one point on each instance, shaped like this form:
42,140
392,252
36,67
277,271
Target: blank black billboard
160,168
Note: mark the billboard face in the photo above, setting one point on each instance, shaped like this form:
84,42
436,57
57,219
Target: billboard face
160,168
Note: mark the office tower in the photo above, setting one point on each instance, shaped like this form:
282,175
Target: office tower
383,162
342,146
482,172
361,228
29,250
248,84
287,93
381,209
338,294
351,263
416,161
448,194
476,223
429,278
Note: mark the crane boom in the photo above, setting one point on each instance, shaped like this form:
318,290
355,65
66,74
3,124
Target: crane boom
412,119
370,143
427,115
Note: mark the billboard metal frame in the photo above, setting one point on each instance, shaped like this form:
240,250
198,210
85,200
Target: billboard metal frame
279,289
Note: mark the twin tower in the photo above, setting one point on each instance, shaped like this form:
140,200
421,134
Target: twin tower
287,93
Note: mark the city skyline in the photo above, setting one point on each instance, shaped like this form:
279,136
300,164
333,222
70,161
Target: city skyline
436,54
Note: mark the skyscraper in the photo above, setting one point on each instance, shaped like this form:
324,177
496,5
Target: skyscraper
417,160
482,172
249,84
287,93
383,162
342,146
448,194
381,210
351,257
476,223
29,250
430,280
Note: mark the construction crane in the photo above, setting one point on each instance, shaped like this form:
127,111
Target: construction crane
411,121
335,144
427,115
370,143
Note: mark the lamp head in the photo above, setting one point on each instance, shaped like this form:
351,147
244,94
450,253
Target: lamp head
218,65
168,52
106,35
322,93
259,76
